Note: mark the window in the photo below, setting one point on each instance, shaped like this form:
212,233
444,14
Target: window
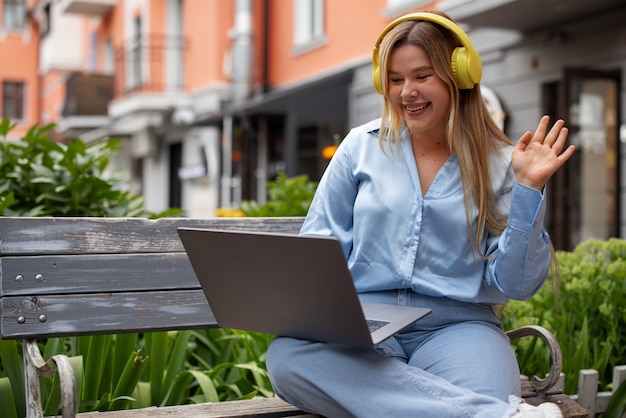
109,57
13,100
308,22
174,45
93,52
14,14
134,59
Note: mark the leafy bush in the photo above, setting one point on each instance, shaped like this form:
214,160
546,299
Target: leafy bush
287,197
588,316
41,177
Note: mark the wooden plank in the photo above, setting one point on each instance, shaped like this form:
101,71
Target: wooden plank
259,407
96,273
602,399
619,376
56,236
103,313
274,407
569,407
588,389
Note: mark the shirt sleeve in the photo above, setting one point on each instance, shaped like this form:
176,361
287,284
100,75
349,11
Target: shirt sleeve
521,254
331,211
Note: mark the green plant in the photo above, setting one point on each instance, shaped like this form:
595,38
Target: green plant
588,316
617,405
287,197
41,177
11,381
126,371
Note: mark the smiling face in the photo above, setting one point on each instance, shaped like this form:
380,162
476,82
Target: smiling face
417,93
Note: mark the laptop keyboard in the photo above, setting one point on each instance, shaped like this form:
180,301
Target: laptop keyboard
374,324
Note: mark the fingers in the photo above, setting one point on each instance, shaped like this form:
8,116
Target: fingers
559,141
565,155
556,136
540,132
524,140
555,139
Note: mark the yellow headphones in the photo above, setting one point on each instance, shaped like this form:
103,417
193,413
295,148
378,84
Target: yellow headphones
465,61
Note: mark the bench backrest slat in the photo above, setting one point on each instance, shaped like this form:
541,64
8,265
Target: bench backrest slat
77,276
96,273
56,236
104,313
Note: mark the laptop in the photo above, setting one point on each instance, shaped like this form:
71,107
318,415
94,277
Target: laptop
288,285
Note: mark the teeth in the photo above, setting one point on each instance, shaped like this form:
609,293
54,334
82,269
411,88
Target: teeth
415,108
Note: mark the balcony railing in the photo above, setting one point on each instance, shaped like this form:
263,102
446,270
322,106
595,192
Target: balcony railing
87,7
87,95
150,63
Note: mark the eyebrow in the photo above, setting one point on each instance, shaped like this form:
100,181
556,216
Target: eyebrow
415,70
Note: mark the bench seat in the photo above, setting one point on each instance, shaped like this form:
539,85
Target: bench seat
259,407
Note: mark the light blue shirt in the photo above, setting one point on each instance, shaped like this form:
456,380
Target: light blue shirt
396,237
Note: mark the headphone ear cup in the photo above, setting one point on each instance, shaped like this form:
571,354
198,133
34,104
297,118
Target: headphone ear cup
376,71
465,72
376,80
454,66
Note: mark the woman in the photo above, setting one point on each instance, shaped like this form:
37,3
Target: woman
435,208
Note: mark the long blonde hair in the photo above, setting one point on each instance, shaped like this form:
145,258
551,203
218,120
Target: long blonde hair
471,132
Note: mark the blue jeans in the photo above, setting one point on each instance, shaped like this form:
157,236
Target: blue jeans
456,362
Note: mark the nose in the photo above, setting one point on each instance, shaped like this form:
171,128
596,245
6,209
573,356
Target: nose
409,90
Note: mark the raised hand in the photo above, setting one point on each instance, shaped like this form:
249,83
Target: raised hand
538,156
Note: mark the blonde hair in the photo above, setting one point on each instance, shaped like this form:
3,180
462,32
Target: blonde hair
471,132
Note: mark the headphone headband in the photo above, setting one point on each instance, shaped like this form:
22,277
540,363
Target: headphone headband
465,62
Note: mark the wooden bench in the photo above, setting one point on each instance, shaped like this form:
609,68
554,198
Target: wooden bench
87,276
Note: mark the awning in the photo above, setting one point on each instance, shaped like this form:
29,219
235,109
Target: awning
304,97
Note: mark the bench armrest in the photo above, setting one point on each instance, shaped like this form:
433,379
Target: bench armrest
542,385
35,366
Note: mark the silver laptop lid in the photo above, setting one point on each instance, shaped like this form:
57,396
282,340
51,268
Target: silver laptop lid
278,284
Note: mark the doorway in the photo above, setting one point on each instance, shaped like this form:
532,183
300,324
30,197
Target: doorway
175,199
584,198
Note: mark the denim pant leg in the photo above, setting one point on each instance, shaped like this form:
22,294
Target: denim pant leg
473,355
462,342
408,375
338,381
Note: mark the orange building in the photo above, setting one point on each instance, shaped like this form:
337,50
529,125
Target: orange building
213,98
19,45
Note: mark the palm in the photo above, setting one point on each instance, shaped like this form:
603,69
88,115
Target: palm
538,156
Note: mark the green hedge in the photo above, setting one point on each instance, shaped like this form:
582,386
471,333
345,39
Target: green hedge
587,314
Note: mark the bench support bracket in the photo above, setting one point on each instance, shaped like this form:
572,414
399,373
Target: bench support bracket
35,366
